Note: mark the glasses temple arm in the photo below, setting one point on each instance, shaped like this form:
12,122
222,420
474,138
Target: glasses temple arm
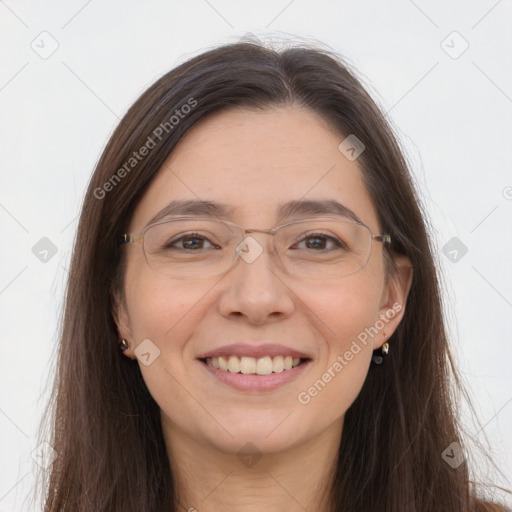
382,238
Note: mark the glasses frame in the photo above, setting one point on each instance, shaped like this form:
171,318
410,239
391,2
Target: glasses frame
138,238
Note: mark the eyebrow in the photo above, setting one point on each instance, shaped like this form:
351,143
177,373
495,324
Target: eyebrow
300,208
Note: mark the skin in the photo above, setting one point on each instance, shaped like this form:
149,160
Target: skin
254,161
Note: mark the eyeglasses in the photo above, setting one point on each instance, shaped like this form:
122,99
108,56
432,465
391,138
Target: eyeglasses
198,248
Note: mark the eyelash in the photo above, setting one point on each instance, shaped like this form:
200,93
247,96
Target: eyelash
191,236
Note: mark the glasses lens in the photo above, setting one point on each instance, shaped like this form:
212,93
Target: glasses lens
313,249
191,248
324,249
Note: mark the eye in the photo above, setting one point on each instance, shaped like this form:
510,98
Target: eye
191,242
319,242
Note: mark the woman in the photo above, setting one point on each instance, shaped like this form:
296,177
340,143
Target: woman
253,319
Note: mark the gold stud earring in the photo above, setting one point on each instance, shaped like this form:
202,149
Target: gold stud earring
385,345
384,350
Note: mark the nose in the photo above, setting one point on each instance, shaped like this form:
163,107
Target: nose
254,288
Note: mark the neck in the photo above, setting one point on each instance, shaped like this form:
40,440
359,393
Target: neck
207,479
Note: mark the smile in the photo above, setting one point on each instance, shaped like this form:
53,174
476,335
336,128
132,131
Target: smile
252,365
260,375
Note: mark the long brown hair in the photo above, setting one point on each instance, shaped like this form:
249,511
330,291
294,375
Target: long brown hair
102,421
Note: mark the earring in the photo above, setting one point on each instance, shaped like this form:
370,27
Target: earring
377,358
123,345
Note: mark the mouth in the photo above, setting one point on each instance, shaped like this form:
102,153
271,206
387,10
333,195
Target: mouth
254,375
262,366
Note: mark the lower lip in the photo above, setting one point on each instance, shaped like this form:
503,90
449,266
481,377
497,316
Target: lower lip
257,383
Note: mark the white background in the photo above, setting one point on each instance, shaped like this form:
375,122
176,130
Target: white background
453,116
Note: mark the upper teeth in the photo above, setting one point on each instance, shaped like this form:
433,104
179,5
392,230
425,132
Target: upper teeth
261,366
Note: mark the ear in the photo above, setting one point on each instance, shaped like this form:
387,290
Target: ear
122,320
394,298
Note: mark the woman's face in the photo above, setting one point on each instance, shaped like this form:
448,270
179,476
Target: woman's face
255,162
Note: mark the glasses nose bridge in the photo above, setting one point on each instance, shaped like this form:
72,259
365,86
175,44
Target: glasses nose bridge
267,231
271,232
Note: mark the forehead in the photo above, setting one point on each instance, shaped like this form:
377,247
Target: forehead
256,161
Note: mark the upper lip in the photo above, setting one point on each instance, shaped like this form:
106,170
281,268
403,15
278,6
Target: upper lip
256,351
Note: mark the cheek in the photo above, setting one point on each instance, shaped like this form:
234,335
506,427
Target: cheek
163,310
167,313
343,316
345,309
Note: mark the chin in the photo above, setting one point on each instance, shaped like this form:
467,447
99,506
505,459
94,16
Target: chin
248,437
